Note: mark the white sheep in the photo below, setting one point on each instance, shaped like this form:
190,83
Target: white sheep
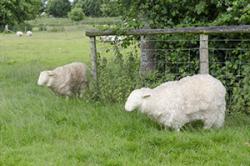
19,33
65,80
175,103
29,33
112,38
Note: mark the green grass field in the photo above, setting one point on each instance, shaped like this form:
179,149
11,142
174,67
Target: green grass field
67,22
39,128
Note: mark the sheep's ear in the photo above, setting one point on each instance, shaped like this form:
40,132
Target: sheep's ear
146,96
146,92
51,73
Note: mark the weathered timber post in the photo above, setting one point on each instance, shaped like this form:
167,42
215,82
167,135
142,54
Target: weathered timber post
204,61
147,55
93,56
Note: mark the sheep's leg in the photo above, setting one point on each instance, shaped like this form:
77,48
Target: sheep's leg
81,95
82,89
178,129
208,123
218,124
69,93
167,127
219,121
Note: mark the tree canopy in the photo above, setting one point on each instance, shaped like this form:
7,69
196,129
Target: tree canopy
169,13
14,12
58,8
90,7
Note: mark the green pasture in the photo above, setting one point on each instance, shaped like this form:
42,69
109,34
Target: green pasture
67,22
39,128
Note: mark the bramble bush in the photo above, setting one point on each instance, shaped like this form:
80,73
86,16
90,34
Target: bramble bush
241,92
117,76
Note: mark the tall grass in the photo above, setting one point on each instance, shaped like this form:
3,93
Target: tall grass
40,128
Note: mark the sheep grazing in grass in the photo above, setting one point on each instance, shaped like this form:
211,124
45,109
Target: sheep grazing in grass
175,103
67,80
19,33
29,33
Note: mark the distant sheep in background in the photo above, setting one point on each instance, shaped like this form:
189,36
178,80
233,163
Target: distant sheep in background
29,33
19,33
112,38
175,103
67,80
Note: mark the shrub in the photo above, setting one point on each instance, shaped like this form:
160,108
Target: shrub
76,14
241,92
117,76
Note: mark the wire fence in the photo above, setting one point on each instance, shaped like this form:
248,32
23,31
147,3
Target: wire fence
177,58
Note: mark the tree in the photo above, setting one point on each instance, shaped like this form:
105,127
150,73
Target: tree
58,8
76,14
13,12
110,8
90,7
171,13
43,6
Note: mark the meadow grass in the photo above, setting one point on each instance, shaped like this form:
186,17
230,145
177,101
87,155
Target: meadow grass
39,128
52,21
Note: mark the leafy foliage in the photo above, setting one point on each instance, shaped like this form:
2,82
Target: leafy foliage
110,8
116,77
241,101
13,12
58,8
106,8
238,12
76,14
90,7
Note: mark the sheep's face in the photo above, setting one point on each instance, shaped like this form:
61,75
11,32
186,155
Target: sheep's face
136,98
46,78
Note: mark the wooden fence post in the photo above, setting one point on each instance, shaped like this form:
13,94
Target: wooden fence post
93,56
204,61
147,55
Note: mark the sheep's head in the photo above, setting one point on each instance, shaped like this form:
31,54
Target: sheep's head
136,98
46,78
